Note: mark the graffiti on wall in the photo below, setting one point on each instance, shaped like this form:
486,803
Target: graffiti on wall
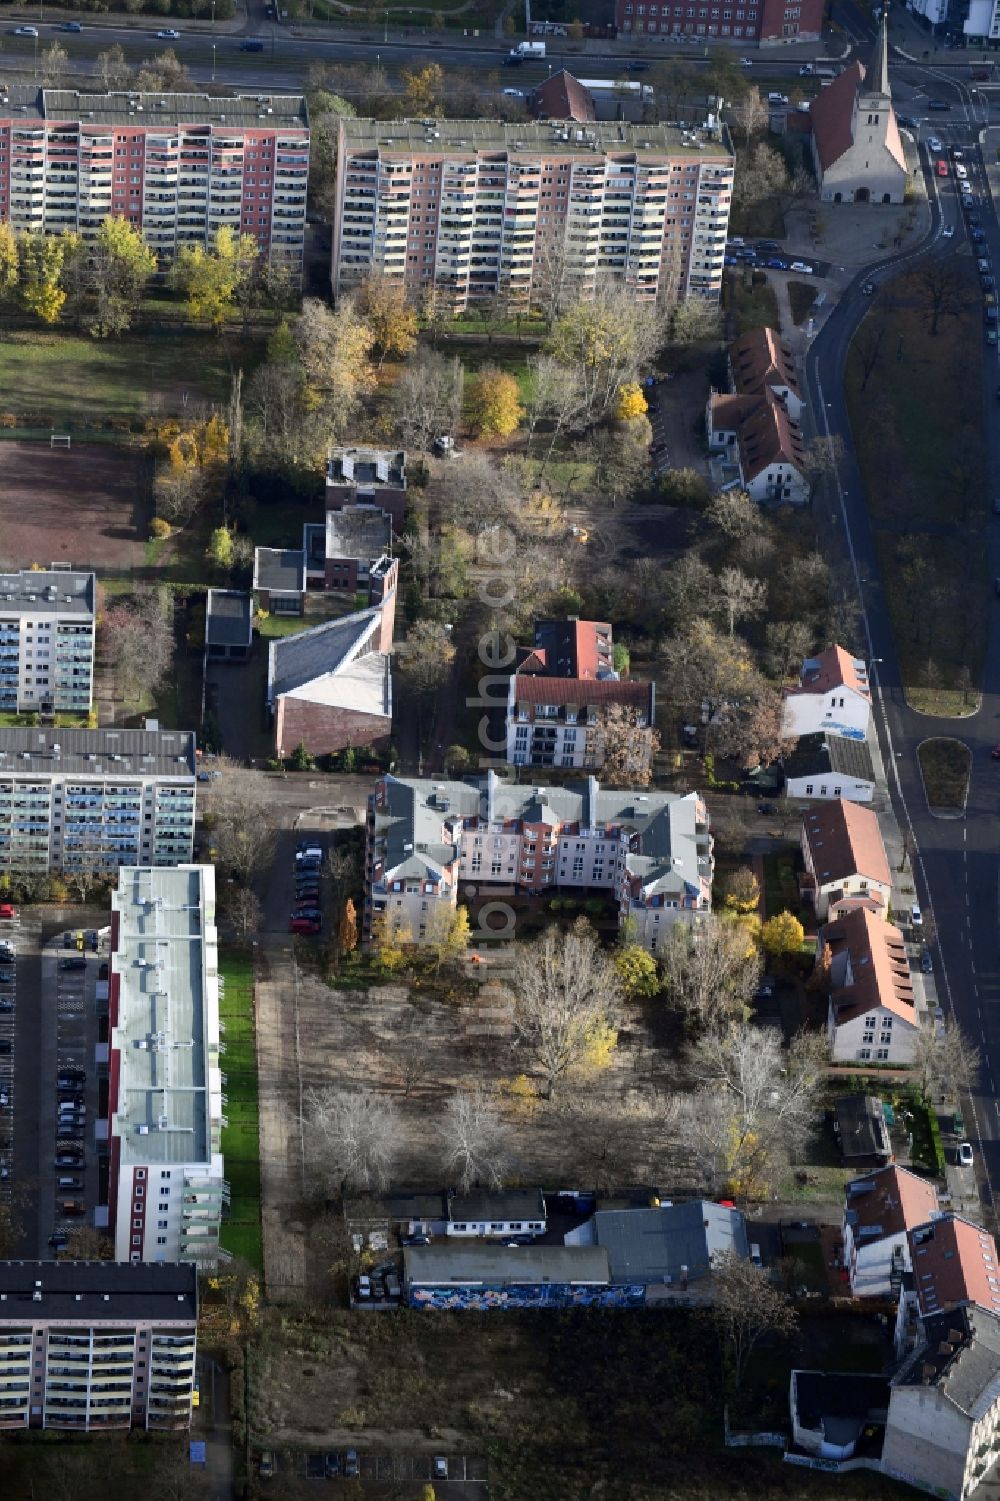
536,1295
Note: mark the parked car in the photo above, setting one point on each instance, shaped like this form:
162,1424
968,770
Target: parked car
933,144
265,1465
926,962
965,1154
6,1004
8,912
941,105
68,1159
766,246
58,1242
414,1240
7,976
315,1467
351,1467
440,1467
916,916
331,1464
991,336
868,290
977,236
801,266
775,263
363,1288
948,231
7,950
65,1182
303,925
73,963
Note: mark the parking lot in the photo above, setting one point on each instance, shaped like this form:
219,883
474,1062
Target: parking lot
49,1028
458,1476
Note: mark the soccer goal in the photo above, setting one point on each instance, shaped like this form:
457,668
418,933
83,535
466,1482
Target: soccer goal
60,440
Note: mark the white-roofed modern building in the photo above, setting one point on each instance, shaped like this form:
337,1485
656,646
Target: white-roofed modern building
166,1187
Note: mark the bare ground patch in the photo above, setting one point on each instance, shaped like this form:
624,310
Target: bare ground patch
84,505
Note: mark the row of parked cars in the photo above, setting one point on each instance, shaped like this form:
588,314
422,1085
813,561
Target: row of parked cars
307,913
70,1163
765,254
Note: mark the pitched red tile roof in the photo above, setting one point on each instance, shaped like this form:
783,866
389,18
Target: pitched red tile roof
833,668
896,1200
767,435
580,691
880,969
762,358
570,649
954,1261
563,97
844,839
832,114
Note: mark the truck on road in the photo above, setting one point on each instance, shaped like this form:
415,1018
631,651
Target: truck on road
528,49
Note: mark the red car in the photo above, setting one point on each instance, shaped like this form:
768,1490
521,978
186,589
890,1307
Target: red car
7,910
304,925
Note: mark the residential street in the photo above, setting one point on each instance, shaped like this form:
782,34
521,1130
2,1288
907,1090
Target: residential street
957,868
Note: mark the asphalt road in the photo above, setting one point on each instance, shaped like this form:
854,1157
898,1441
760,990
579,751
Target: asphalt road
957,870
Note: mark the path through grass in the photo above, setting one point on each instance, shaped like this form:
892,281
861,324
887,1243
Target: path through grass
241,1137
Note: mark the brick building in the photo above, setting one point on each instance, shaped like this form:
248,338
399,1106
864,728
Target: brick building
180,166
753,21
477,210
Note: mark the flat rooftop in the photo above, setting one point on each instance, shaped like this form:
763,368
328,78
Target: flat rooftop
558,138
468,1265
167,1037
85,1291
228,618
261,111
366,466
282,570
97,753
41,592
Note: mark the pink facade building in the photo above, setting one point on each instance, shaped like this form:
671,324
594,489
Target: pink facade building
475,210
180,166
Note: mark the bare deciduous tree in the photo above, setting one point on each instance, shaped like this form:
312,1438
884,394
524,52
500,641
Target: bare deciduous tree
750,115
565,989
239,805
476,1139
740,597
245,912
789,642
139,641
754,1102
425,657
735,515
752,730
747,1305
355,1135
822,457
946,1062
710,972
628,746
428,397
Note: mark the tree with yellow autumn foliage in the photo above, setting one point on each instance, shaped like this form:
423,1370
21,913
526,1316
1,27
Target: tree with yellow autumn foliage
391,937
423,91
210,280
782,935
389,314
630,403
494,403
42,258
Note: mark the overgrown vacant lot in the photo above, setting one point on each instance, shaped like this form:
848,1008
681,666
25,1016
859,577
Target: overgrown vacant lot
915,398
68,381
566,1405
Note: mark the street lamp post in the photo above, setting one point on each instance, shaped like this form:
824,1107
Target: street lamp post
213,62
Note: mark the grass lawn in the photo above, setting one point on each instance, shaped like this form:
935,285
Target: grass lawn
240,1138
751,306
781,890
916,426
273,626
63,379
945,765
801,295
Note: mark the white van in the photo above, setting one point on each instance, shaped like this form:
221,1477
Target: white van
755,1256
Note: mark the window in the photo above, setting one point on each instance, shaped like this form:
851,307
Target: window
882,1054
140,1172
139,1190
137,1224
137,1241
865,1054
161,1224
161,1240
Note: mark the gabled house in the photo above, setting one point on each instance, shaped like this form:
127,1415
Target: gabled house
844,859
833,696
562,97
762,361
871,1015
830,766
759,435
559,693
954,1262
943,1429
880,1209
857,149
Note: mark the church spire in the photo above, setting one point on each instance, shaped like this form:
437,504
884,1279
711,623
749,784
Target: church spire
877,81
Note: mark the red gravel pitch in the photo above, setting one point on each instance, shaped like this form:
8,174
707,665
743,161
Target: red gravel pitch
83,506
